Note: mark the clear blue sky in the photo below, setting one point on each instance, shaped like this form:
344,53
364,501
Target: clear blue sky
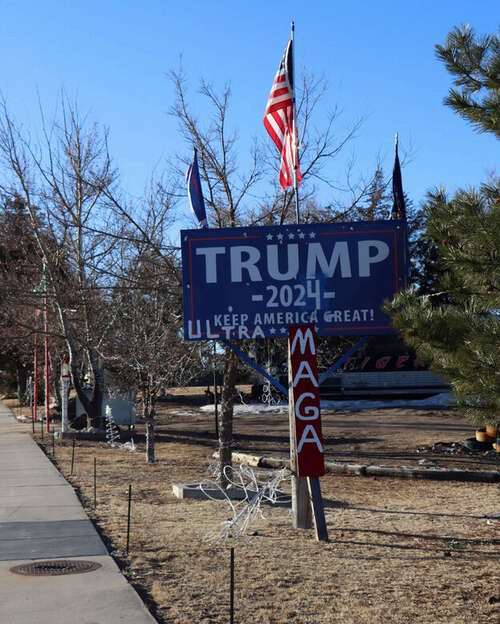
378,58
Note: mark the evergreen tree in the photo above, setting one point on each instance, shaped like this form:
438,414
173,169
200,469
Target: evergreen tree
20,270
457,327
475,64
378,202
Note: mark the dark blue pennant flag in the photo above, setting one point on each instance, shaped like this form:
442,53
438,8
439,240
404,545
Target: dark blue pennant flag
195,193
398,206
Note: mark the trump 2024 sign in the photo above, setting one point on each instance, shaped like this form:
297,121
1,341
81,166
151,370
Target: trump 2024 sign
241,283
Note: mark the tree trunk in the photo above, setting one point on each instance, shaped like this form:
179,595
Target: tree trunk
149,418
226,414
93,404
97,396
56,392
22,378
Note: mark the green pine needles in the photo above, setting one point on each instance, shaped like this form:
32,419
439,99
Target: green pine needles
456,326
474,62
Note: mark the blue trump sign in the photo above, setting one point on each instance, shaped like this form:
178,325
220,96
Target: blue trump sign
256,282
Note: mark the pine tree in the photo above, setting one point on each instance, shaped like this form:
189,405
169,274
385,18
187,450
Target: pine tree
457,327
379,202
475,64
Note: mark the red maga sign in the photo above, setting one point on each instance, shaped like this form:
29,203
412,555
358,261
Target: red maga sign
305,401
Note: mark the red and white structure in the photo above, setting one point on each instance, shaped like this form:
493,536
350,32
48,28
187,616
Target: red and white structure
304,400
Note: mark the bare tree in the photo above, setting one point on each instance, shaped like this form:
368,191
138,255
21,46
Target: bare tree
144,350
110,275
67,176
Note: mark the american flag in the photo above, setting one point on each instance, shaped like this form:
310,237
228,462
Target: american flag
279,118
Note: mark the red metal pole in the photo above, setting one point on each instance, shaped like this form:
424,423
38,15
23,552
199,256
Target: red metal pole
47,386
35,389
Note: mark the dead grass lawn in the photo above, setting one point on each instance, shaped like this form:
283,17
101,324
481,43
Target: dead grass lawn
400,551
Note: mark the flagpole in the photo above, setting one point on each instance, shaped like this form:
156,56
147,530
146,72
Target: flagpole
301,508
47,362
295,138
35,364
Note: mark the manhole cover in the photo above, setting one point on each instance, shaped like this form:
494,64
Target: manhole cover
58,567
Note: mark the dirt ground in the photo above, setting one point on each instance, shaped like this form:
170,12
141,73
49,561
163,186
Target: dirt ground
383,436
400,550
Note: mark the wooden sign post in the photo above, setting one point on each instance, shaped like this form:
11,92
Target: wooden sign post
306,439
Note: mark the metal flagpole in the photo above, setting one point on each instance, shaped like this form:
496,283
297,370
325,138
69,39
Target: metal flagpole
216,405
295,137
301,508
35,366
307,503
47,383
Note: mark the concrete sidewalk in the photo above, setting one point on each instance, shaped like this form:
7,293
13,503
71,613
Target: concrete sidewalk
41,518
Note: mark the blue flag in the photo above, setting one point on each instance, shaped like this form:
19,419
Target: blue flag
195,193
398,207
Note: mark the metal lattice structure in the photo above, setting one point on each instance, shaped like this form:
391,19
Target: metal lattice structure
255,486
112,437
112,433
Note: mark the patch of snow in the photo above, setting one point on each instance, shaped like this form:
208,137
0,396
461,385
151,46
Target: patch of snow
22,418
444,399
205,408
439,400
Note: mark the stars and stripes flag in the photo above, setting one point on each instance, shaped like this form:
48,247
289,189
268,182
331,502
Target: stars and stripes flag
195,193
279,118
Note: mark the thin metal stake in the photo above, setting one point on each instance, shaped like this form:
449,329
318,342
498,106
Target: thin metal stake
231,604
95,481
53,445
41,425
128,516
215,393
72,457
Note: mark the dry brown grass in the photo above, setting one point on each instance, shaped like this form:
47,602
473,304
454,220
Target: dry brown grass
400,551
